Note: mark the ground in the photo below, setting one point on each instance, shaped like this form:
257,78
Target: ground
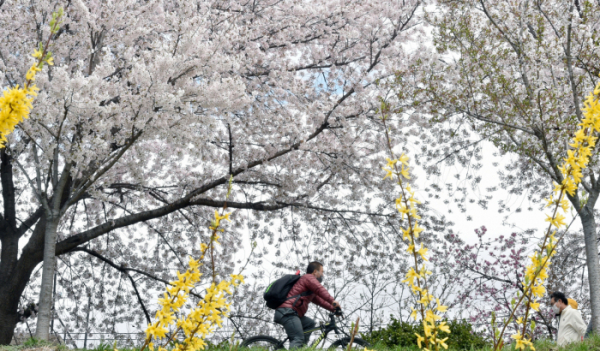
540,345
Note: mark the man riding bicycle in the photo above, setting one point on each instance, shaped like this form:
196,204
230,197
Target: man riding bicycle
291,314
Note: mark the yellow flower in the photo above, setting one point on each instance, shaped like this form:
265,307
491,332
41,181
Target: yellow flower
413,314
391,163
388,173
15,105
427,329
440,307
570,186
422,252
403,210
538,290
404,159
444,327
413,201
521,343
404,172
164,319
420,339
416,230
596,90
550,200
557,188
37,54
442,343
425,300
237,279
194,264
30,76
558,220
405,234
218,217
564,203
431,317
570,158
542,274
411,275
413,213
156,331
535,306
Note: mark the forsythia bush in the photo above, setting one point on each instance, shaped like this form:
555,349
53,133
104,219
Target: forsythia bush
398,170
208,313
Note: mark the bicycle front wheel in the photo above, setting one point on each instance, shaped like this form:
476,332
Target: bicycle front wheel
262,342
342,344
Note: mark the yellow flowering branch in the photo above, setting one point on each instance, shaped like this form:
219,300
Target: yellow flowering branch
16,102
398,169
208,312
571,170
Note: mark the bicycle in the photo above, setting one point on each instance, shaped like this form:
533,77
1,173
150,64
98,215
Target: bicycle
265,342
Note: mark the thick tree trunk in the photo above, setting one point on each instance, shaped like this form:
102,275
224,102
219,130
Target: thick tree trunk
14,276
591,251
9,298
45,308
8,323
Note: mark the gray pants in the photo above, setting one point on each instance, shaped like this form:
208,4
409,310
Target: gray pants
294,326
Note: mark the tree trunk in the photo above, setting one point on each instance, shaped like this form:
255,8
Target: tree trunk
8,322
45,307
591,251
15,273
14,277
8,302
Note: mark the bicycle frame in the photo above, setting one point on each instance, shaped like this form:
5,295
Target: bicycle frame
325,330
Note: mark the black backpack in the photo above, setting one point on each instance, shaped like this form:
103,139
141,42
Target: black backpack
277,292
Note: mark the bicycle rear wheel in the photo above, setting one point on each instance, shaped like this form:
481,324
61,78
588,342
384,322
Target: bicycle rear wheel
262,342
342,344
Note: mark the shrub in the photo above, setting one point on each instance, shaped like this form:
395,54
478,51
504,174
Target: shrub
397,333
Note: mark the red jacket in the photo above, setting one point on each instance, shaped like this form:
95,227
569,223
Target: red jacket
319,295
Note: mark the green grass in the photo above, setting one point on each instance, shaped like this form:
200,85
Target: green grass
590,344
33,343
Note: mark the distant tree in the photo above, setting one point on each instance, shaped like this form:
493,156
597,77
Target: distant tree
515,74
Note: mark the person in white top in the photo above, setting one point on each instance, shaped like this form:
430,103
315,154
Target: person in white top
571,326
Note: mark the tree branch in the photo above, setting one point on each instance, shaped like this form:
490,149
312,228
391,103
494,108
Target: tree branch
33,218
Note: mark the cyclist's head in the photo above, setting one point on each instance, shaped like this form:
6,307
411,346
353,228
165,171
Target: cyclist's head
315,268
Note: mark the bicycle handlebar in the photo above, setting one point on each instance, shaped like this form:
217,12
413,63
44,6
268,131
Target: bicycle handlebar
337,312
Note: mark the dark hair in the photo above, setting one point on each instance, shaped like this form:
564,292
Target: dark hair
313,266
557,295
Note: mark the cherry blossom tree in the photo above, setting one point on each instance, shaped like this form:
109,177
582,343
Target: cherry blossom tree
152,106
514,74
